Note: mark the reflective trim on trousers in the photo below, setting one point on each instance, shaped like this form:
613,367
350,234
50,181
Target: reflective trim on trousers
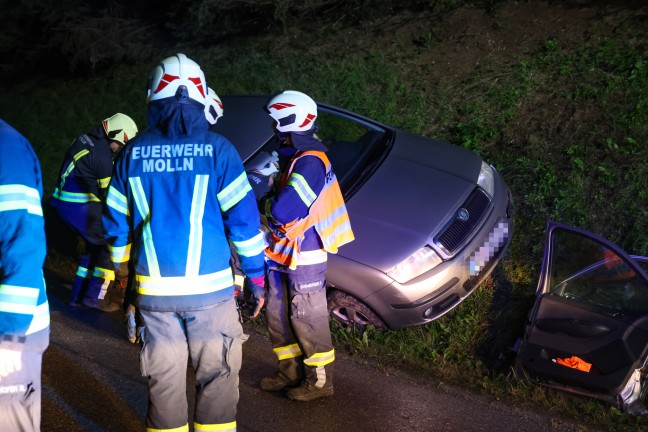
231,427
184,428
288,351
320,359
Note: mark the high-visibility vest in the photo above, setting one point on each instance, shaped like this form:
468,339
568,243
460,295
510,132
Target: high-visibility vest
327,214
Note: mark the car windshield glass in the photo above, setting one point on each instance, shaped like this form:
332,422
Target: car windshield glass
589,272
354,145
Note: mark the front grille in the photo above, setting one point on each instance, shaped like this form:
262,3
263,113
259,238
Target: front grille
457,231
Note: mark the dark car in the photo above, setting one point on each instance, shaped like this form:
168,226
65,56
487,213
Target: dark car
431,219
588,331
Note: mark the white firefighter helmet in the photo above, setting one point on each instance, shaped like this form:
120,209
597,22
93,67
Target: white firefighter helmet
177,76
119,128
265,163
293,111
213,107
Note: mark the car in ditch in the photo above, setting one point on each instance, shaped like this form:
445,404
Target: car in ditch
587,333
431,219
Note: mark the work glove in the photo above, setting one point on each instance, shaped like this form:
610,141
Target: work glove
258,292
121,277
134,324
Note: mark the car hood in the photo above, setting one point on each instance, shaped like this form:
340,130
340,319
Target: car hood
410,196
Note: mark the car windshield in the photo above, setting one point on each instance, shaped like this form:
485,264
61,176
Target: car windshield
355,146
589,272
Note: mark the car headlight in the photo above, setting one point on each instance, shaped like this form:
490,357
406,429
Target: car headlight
418,263
486,178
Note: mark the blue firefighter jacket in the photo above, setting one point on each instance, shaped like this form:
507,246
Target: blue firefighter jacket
82,183
24,311
178,192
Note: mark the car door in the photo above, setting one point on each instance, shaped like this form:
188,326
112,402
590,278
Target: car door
592,303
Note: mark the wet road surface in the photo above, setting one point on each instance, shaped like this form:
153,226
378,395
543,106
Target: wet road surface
92,382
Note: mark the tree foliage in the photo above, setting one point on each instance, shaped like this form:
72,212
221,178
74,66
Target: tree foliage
80,36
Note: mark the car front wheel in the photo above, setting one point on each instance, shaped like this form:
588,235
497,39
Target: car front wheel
348,311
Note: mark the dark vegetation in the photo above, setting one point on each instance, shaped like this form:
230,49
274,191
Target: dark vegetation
553,94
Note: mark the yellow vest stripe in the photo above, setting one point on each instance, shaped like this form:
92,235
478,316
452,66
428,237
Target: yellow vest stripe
117,201
196,229
20,197
234,192
120,254
147,235
184,285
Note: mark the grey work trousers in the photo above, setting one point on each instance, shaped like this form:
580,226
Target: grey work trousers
213,339
297,314
20,396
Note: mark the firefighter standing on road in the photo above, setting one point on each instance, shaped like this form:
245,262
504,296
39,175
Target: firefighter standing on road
308,219
24,311
78,199
177,194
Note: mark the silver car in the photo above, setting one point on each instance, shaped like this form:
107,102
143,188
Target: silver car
431,219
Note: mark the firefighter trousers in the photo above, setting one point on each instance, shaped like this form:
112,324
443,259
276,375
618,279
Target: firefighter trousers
20,396
213,340
298,324
94,274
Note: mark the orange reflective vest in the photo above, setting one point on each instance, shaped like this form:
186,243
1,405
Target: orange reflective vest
327,214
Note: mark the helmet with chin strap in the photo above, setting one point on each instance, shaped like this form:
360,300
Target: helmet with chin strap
265,163
213,107
177,77
292,111
119,128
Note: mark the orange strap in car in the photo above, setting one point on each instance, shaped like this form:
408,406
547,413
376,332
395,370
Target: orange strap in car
574,363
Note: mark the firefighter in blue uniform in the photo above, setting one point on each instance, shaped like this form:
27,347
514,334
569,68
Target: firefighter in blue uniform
78,200
308,219
177,194
24,311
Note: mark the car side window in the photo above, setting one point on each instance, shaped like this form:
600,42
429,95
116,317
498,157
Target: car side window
348,141
587,271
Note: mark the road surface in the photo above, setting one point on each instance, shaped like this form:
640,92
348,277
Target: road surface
92,382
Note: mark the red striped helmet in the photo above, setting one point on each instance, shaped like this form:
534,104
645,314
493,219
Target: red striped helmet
177,76
213,107
293,111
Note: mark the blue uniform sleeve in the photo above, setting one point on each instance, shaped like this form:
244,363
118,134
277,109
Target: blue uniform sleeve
240,215
303,187
23,300
117,217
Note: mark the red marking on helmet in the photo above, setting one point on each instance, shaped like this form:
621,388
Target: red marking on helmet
165,81
105,125
309,118
219,103
125,138
281,105
198,83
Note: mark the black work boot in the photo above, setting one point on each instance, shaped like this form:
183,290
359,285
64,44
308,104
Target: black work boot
308,392
277,382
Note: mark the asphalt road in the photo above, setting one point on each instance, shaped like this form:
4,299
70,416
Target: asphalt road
91,382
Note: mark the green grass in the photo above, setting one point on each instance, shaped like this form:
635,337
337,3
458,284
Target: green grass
567,127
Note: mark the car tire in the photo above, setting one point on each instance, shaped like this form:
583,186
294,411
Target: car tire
349,312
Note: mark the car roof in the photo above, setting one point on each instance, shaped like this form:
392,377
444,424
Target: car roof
245,123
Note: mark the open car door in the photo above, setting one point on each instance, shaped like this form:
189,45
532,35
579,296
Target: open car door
588,331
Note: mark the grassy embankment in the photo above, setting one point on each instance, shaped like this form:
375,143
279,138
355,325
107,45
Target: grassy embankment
593,173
